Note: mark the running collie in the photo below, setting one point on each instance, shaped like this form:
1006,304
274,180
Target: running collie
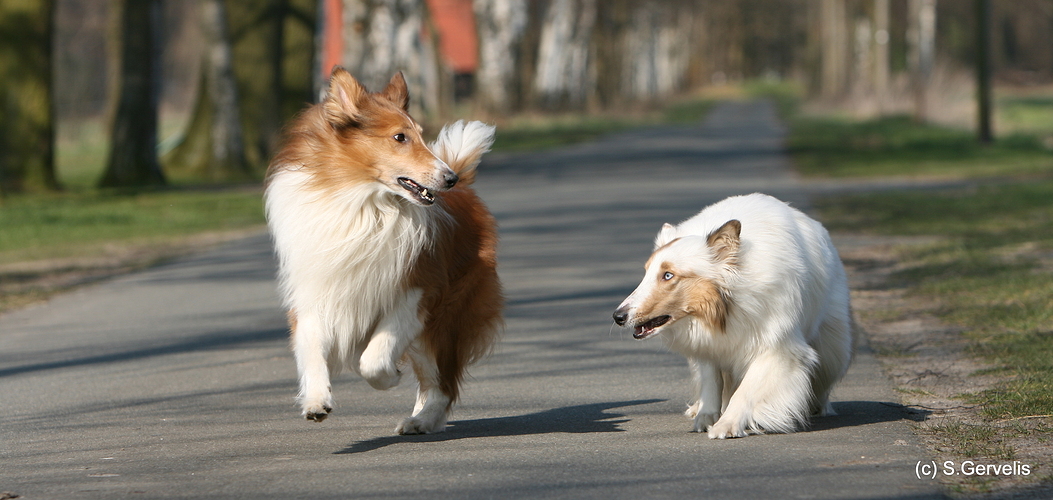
385,255
753,293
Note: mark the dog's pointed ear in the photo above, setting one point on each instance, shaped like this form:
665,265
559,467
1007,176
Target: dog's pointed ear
397,91
341,104
667,234
725,242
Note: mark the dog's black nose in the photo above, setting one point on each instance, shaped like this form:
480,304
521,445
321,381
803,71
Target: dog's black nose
620,316
450,178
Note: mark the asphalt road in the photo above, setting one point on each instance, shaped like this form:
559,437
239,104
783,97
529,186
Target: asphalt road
177,382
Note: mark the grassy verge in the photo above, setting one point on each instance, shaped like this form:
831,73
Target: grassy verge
76,224
896,146
990,269
990,273
50,243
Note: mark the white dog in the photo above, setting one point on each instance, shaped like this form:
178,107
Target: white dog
753,293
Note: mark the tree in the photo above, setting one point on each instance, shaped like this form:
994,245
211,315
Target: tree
27,129
835,46
500,24
983,71
563,78
273,44
922,38
214,148
133,149
382,37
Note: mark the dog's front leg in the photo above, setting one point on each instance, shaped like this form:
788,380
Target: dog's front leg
773,394
707,383
311,346
379,361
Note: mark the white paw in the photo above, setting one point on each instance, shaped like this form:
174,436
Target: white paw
724,429
317,411
417,425
692,409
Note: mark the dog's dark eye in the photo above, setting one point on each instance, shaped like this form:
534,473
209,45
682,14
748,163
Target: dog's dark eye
667,276
400,137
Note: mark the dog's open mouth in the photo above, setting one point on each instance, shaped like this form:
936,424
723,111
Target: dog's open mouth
421,193
644,330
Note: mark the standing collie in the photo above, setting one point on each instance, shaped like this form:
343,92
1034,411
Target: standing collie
385,255
753,292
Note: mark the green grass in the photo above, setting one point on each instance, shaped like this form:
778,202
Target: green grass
1026,114
897,146
989,272
991,267
77,224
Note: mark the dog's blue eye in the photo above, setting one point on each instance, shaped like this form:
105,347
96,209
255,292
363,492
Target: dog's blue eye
667,276
400,137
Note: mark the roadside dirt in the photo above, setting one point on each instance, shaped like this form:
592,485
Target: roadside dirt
931,370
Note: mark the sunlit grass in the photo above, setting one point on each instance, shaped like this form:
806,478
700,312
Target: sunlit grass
897,146
77,224
990,273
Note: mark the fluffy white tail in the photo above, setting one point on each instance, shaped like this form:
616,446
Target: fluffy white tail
461,145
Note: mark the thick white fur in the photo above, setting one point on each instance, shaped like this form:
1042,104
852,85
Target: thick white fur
343,260
788,336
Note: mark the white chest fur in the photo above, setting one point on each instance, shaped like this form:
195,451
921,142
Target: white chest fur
344,257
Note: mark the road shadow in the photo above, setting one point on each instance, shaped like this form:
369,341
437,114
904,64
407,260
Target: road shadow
860,413
578,419
197,343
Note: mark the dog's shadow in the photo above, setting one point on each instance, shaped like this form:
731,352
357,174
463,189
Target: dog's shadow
578,419
861,413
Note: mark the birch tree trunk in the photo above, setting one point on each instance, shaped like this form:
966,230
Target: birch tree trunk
656,50
27,129
133,148
500,24
834,48
881,45
382,37
563,79
214,148
922,38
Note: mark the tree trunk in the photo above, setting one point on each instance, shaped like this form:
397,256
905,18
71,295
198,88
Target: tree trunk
834,48
881,45
133,148
656,50
922,38
382,37
27,129
563,79
500,24
213,149
983,71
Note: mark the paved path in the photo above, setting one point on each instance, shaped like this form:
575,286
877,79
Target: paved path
177,381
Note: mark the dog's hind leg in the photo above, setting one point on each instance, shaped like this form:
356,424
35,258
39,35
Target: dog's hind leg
311,348
835,348
379,362
707,383
433,406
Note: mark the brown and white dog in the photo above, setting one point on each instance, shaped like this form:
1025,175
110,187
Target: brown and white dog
385,254
753,293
